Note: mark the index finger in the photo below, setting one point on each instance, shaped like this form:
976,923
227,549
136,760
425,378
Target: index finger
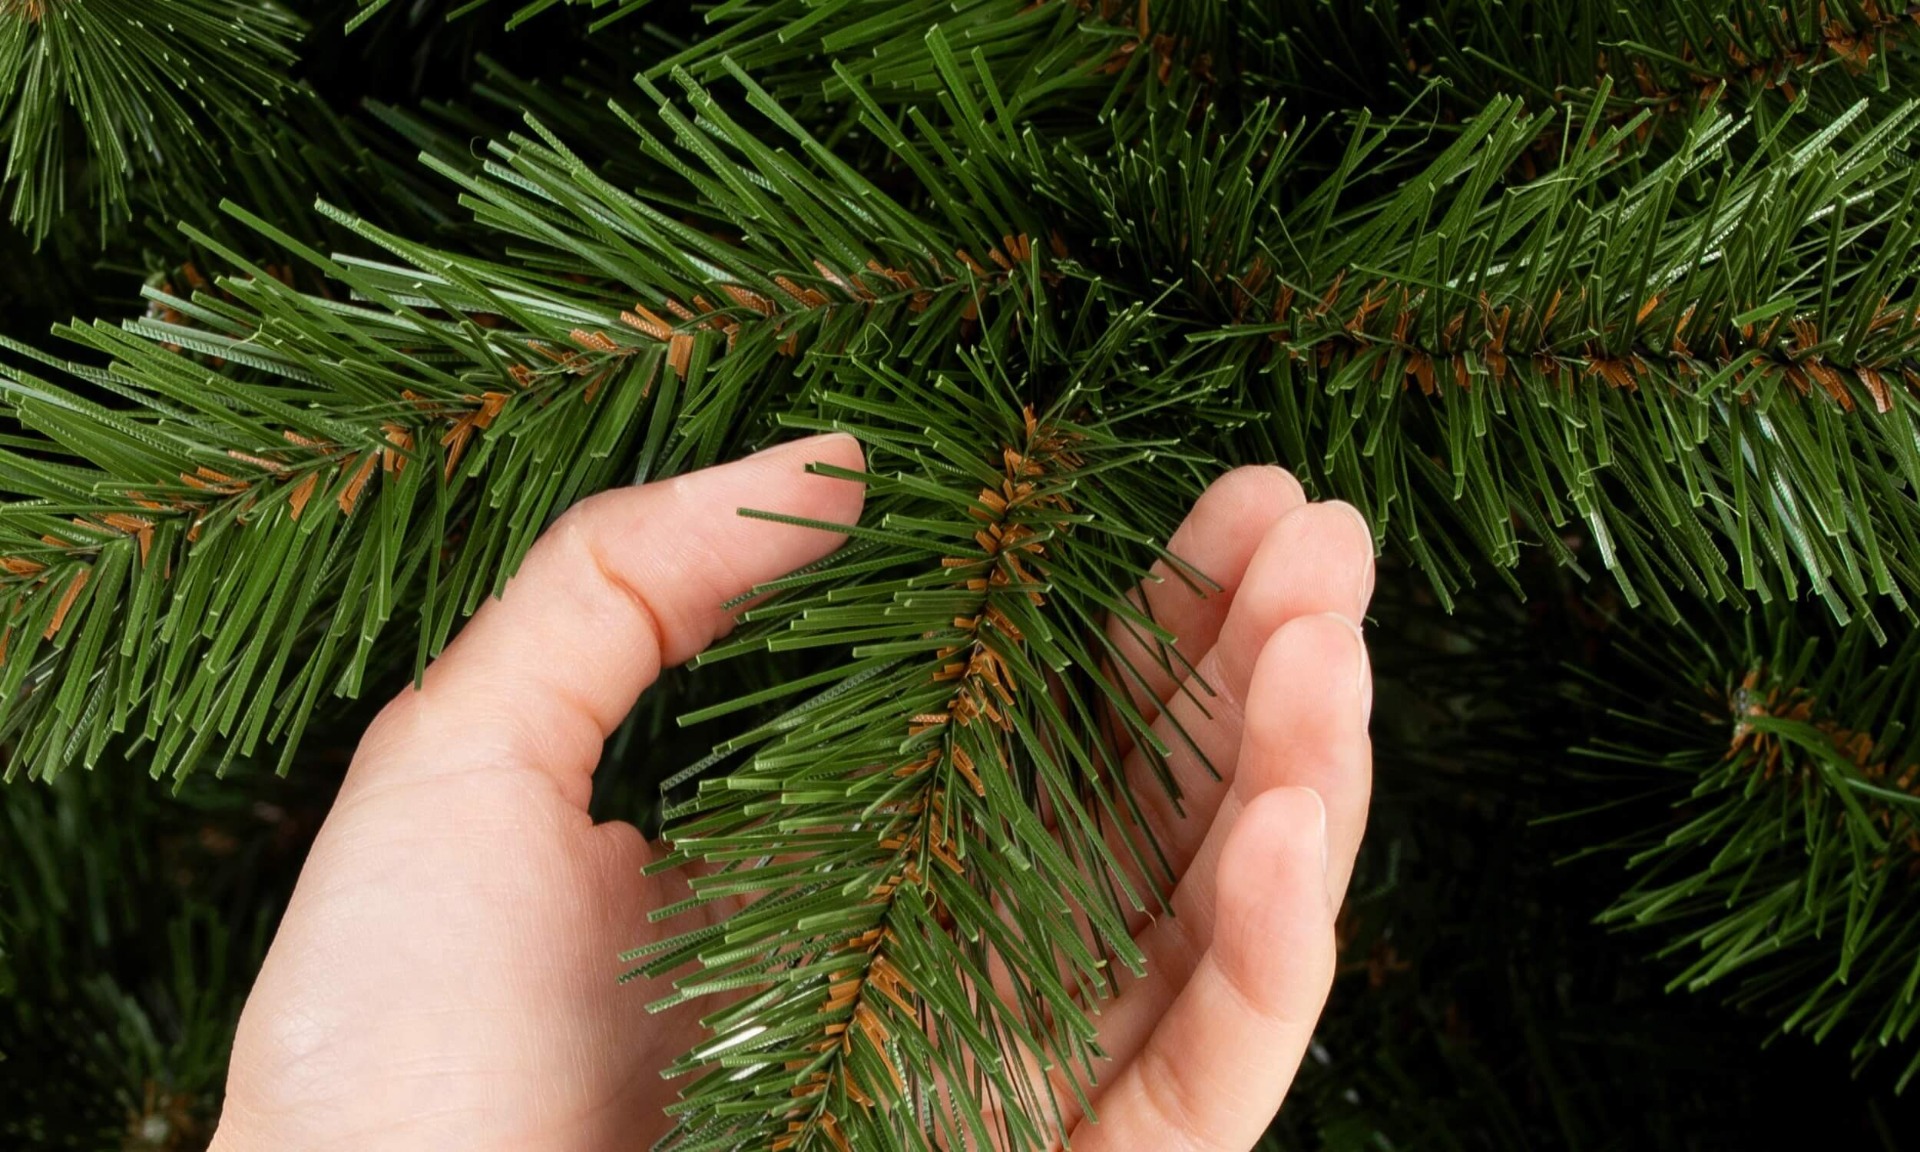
623,584
1216,541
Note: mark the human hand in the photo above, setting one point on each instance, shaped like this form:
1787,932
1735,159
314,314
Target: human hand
444,975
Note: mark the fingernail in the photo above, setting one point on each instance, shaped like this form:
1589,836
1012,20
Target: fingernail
1320,806
1326,861
1366,579
811,442
1364,674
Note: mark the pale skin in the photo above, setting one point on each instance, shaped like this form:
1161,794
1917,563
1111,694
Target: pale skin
444,975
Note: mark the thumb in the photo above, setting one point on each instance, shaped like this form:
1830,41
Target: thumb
622,584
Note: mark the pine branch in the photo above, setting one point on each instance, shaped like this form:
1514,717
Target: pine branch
1642,320
528,9
131,923
1782,869
150,84
1701,363
1604,344
884,846
1670,58
1611,355
329,467
276,434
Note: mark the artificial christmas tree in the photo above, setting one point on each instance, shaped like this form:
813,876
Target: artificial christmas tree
1603,314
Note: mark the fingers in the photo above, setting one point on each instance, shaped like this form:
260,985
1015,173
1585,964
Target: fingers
1314,685
1213,1072
1316,559
1307,727
1216,541
623,584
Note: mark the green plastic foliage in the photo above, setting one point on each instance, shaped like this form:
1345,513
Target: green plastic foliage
526,10
1783,874
95,94
1703,361
320,446
1665,57
329,471
1675,343
883,841
130,925
1708,370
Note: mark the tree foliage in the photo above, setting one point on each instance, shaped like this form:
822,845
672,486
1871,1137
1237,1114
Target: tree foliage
142,89
1784,871
1627,289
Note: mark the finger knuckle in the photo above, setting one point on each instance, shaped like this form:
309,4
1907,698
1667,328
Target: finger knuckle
398,720
1168,1090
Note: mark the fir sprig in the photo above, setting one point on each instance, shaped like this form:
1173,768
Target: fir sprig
1783,873
149,84
331,468
1541,353
1670,57
254,404
1524,354
884,846
1687,352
